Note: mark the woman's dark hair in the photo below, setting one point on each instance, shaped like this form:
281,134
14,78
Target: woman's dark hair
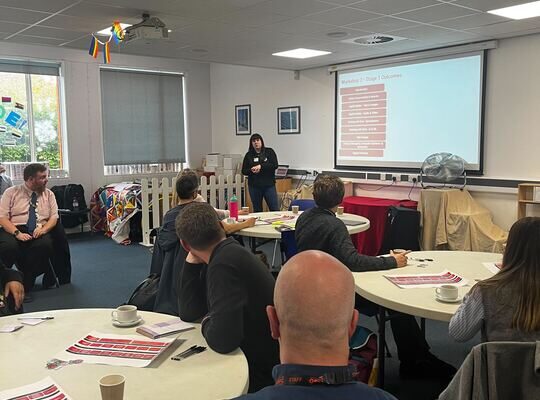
253,137
521,271
328,191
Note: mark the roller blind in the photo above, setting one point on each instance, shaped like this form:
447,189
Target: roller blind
143,117
30,67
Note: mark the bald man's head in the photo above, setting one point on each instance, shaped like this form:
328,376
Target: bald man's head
314,299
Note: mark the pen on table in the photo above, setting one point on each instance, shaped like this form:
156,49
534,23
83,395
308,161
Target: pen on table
189,352
44,317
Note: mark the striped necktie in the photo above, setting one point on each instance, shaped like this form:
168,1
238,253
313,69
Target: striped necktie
32,218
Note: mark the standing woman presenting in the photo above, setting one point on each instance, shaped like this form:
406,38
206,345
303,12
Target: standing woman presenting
260,164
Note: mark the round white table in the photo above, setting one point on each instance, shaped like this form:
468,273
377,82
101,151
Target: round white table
420,302
208,375
268,231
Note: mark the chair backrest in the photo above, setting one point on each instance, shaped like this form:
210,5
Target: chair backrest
288,244
402,230
303,204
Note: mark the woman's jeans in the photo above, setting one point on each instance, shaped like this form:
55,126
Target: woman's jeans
269,194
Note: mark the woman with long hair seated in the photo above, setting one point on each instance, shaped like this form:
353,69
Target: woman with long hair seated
506,307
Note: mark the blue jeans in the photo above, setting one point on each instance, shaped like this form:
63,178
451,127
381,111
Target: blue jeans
269,194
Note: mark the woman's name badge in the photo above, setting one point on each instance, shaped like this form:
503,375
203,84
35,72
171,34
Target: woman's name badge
256,159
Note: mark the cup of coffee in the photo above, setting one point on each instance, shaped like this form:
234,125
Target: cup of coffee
447,292
295,209
340,210
112,387
399,251
245,209
125,313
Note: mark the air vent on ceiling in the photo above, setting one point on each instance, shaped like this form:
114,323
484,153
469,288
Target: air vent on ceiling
373,40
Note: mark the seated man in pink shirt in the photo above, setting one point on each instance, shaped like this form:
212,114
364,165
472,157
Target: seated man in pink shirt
28,212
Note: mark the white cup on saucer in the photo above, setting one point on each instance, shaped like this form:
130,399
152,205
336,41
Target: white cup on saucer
125,314
447,292
295,209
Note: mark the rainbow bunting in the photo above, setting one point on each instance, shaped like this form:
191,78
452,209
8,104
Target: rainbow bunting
106,54
117,32
94,48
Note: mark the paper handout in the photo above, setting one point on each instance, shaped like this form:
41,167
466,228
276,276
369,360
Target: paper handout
44,389
411,281
110,349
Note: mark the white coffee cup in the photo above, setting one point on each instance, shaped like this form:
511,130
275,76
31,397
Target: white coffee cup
245,209
295,209
112,387
447,292
126,313
399,251
340,210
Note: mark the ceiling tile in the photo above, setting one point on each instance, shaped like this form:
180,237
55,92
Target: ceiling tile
79,24
436,13
486,5
50,6
393,6
54,33
506,28
431,34
297,26
21,16
85,10
350,33
342,2
297,8
470,21
252,18
36,40
342,16
11,27
383,24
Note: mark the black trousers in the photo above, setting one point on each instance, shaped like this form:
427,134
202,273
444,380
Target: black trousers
410,342
31,257
61,257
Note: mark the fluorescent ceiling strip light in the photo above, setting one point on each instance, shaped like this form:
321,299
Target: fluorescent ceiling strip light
301,53
521,11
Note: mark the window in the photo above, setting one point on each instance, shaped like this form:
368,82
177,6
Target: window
143,121
30,116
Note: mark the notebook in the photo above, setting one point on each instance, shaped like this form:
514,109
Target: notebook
350,222
161,329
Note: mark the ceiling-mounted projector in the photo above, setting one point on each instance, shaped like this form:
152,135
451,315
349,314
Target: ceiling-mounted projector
150,28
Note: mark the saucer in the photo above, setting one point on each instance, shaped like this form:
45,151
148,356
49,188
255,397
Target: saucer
444,300
128,323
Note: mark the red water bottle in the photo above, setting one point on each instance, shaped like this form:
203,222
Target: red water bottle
233,207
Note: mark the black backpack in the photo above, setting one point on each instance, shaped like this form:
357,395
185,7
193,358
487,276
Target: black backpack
144,295
65,198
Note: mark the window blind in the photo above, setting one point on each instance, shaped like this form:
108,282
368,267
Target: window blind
143,117
30,67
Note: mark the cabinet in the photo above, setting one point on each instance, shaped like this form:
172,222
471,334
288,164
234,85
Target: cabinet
528,193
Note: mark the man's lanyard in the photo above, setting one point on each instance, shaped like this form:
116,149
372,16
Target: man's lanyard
328,378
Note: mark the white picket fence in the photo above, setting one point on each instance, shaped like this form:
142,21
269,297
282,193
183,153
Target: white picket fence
156,198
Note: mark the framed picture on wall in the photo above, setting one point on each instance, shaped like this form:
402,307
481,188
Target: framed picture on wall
288,120
242,118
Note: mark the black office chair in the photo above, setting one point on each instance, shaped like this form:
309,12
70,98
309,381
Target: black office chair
72,207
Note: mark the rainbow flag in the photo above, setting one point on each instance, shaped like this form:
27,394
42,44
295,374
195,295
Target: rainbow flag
94,49
118,32
106,54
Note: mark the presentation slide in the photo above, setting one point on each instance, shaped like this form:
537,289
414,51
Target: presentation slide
397,115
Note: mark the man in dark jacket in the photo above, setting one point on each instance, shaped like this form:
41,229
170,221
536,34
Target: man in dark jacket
313,318
229,288
320,229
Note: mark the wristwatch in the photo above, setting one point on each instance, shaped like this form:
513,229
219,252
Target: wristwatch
16,232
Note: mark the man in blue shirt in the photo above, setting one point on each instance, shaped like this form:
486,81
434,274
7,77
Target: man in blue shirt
313,318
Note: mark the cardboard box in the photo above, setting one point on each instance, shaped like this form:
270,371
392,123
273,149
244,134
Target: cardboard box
231,163
229,172
208,168
214,160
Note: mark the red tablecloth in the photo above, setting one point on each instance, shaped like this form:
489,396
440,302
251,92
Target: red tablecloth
376,210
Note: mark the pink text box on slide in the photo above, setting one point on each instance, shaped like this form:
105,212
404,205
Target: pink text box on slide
361,153
363,121
363,129
363,97
364,105
381,112
363,145
378,87
362,137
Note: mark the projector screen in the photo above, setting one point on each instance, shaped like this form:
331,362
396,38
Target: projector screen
392,117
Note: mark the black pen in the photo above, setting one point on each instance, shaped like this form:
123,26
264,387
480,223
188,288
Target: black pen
181,354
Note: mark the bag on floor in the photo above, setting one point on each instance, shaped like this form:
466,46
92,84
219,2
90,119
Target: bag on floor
363,354
144,295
